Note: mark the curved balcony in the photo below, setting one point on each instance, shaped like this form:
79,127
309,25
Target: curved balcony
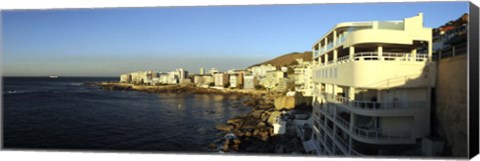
370,108
378,134
373,56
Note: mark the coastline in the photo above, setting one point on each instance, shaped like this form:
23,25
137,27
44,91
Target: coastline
249,133
176,89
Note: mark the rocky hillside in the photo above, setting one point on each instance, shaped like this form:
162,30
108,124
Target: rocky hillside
288,59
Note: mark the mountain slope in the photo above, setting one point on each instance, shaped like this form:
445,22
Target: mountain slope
287,59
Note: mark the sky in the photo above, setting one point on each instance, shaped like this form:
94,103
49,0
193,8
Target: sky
112,41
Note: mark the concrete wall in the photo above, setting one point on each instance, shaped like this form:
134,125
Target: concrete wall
451,104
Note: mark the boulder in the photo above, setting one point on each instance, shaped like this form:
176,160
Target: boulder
261,124
264,135
212,146
256,132
224,127
237,141
285,103
256,113
250,102
236,122
272,118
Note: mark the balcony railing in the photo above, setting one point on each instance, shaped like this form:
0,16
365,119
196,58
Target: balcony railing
343,122
342,142
378,134
370,105
386,56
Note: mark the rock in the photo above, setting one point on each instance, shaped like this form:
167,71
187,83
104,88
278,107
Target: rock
236,122
272,118
261,124
235,147
250,102
256,113
237,141
285,103
212,146
264,135
256,132
223,127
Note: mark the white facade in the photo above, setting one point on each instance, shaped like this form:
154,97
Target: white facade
213,71
249,82
201,80
261,71
372,85
220,79
125,78
272,79
303,77
233,80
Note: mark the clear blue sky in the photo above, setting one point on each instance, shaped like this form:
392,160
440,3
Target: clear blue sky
108,42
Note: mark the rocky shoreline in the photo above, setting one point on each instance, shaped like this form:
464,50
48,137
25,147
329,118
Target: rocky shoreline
249,133
253,132
183,89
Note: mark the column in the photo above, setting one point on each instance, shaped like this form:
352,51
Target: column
335,56
430,50
413,54
313,52
380,52
326,58
351,52
351,95
334,38
352,123
333,90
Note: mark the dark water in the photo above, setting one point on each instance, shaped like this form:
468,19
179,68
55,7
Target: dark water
63,113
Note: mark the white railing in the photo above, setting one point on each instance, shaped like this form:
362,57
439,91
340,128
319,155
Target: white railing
343,59
371,105
378,134
373,56
343,122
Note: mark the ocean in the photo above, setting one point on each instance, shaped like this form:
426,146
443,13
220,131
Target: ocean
65,114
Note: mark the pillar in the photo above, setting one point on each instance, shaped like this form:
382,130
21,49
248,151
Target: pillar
313,52
326,58
352,121
380,52
351,52
430,50
413,54
351,95
335,56
334,38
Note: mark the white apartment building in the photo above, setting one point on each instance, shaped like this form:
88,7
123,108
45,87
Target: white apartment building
249,82
272,79
303,77
372,88
261,71
126,78
220,79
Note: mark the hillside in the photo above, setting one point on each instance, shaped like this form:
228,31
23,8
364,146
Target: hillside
287,59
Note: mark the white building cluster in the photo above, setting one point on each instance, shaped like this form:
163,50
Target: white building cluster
155,78
262,76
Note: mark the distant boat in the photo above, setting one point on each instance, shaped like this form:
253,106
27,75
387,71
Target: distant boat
53,76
